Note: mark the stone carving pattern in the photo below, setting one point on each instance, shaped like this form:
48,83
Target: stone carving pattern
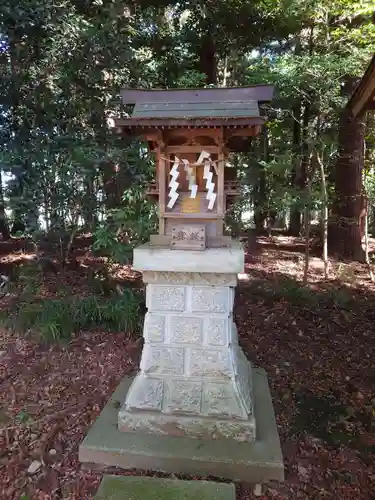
216,331
230,396
154,327
183,396
210,299
163,360
166,298
186,329
210,363
147,394
219,399
176,278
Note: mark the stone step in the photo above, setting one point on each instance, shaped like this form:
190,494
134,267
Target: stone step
150,488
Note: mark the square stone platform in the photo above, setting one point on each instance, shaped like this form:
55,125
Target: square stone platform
253,462
152,488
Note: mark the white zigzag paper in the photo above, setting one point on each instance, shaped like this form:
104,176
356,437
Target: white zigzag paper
210,186
173,194
212,201
203,156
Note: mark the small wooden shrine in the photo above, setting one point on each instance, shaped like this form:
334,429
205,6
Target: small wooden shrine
196,406
191,132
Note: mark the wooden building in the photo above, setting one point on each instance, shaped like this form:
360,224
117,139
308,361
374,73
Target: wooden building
363,97
192,132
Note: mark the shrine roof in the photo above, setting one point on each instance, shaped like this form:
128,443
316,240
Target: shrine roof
210,107
191,110
363,97
260,93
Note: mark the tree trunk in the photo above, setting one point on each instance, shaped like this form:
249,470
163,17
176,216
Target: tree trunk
207,59
89,205
324,215
295,222
307,214
225,71
115,181
252,244
367,258
295,212
260,198
300,177
300,148
345,235
307,242
4,227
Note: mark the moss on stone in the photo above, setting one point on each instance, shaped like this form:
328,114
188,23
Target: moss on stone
146,488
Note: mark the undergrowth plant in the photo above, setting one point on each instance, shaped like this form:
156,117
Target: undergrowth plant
57,319
300,296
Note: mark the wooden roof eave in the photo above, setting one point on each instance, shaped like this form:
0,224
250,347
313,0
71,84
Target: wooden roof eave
203,122
363,98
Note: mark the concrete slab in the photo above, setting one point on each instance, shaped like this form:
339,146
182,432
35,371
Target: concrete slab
212,260
255,462
147,488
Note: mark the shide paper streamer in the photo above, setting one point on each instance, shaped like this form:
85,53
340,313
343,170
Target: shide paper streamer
204,159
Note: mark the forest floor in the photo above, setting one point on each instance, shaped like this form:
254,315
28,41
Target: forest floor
316,343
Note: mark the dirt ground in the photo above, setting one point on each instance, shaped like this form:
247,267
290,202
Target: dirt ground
316,343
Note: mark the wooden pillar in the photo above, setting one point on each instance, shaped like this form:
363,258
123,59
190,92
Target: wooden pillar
220,189
161,172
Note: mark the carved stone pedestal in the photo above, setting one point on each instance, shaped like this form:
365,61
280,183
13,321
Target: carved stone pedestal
194,379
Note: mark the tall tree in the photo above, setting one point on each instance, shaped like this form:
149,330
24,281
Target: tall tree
346,227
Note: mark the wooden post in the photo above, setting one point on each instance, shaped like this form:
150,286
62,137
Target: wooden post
220,189
161,172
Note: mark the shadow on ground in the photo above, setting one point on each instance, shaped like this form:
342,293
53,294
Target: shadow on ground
316,343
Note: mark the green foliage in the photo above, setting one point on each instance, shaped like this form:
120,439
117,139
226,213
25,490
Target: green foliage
191,79
126,227
64,168
56,142
58,319
107,242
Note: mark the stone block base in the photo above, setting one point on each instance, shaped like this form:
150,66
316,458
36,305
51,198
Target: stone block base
146,488
254,462
194,380
216,395
182,425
